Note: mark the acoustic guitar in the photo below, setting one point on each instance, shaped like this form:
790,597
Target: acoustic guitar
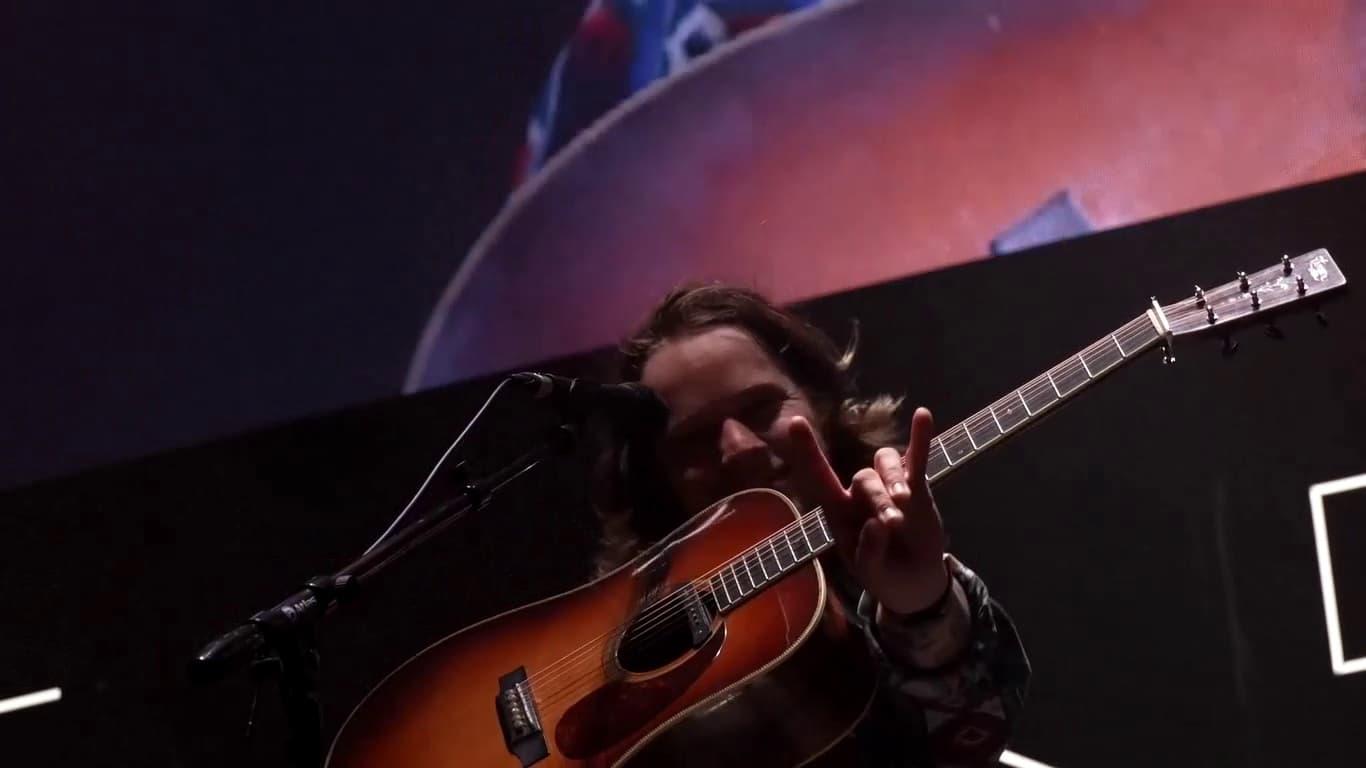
720,645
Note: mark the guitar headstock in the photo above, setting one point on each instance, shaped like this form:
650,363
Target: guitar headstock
1296,280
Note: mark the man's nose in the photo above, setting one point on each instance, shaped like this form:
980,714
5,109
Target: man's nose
738,441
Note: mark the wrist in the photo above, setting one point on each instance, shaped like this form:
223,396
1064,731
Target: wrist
920,611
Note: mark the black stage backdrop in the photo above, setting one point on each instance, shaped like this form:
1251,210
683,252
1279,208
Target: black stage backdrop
288,186
1152,540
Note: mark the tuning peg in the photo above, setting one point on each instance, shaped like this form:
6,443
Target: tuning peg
1256,300
1230,346
1299,284
1273,330
1199,296
1210,317
1286,266
1242,282
1167,357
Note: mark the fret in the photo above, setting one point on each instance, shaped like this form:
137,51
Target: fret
749,571
826,538
788,542
947,457
1102,357
1086,367
955,444
1139,337
778,557
1056,391
1037,396
1070,377
982,431
1010,411
729,601
806,537
747,584
1022,402
992,411
802,549
1118,346
764,578
710,599
739,588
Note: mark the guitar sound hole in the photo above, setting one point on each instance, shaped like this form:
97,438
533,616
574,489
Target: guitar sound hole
664,633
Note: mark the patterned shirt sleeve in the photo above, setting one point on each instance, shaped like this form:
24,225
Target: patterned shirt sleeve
966,708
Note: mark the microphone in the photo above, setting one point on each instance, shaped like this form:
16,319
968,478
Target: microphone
628,403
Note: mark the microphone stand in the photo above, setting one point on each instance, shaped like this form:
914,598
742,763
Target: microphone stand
279,642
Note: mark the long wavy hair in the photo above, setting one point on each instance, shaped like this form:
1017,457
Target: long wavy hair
632,497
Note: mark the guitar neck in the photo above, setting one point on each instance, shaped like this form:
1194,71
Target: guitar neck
776,556
1009,415
1261,293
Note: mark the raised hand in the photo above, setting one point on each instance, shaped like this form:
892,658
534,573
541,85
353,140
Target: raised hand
886,525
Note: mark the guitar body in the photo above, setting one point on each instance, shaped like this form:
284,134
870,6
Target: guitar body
779,679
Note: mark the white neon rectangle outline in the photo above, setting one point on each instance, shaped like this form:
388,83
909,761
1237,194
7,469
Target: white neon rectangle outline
15,703
1341,666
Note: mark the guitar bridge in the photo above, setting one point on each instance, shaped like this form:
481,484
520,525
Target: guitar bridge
520,721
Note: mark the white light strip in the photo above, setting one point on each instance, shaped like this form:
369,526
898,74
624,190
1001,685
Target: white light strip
1317,491
30,700
1020,761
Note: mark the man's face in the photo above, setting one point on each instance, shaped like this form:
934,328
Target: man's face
730,408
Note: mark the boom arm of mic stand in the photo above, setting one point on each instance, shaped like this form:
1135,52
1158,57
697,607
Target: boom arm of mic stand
322,594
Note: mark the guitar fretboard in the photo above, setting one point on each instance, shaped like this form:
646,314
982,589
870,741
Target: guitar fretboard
1008,415
768,561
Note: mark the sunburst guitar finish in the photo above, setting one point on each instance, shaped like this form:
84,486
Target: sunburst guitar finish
719,646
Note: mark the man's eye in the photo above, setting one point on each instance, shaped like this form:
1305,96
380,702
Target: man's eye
763,412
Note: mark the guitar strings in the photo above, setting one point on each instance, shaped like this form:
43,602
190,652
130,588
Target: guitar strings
549,697
1138,327
807,523
661,612
682,594
950,438
663,609
955,436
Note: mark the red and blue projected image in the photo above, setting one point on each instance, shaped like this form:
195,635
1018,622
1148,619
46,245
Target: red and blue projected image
807,148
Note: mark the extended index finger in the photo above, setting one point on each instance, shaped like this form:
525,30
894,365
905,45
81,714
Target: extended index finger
917,453
811,471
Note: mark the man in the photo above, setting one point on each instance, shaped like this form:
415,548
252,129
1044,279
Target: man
759,398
